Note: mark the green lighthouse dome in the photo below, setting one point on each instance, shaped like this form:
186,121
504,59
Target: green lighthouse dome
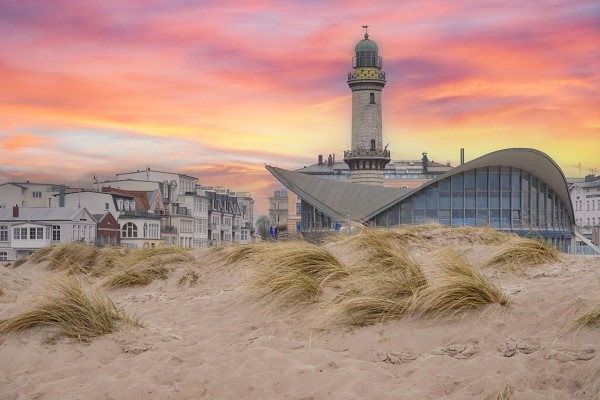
366,45
366,54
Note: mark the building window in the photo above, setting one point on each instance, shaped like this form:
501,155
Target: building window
56,233
106,206
37,195
372,98
20,233
3,256
36,233
4,233
129,230
372,144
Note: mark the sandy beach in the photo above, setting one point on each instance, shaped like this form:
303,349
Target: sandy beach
207,335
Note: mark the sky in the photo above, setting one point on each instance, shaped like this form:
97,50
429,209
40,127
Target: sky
217,89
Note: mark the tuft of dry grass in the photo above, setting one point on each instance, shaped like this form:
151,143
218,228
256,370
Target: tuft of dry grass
243,252
504,394
70,309
457,287
141,274
588,317
190,277
19,262
373,238
73,257
480,234
294,273
109,259
381,290
2,288
522,252
41,254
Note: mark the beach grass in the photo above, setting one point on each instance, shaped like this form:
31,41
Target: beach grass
41,254
504,394
524,252
19,262
73,257
455,288
380,289
69,308
294,273
140,274
587,317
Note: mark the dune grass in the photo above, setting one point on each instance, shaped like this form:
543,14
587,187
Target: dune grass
381,288
139,274
294,273
374,238
456,288
2,289
69,308
19,262
504,394
73,257
41,254
480,234
244,252
587,317
524,252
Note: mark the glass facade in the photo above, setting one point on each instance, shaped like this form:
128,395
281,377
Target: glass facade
500,197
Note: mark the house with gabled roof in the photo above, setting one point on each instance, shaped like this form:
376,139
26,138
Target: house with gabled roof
26,229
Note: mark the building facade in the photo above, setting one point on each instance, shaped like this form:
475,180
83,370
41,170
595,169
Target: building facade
27,194
24,230
585,197
278,210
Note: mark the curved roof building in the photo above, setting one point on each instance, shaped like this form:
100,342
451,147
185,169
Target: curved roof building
517,190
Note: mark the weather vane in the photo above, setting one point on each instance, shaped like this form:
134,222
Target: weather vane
366,28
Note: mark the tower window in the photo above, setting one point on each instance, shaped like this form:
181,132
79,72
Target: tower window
372,98
372,144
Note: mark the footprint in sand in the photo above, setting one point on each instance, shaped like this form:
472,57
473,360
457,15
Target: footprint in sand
571,355
460,351
393,357
510,347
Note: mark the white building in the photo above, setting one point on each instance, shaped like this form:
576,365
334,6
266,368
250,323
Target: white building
24,230
187,209
585,197
27,194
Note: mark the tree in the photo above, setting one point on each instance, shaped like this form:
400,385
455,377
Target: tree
262,226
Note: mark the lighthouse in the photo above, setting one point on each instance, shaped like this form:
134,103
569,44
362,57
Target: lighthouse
367,157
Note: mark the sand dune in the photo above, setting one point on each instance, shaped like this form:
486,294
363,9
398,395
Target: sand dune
206,335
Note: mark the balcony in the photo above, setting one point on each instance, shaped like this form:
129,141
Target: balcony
213,226
362,153
139,214
169,230
366,74
225,227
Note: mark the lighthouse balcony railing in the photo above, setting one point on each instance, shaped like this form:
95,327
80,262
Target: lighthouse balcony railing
359,153
367,74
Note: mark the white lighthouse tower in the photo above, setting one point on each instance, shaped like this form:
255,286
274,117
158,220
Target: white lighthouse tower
367,157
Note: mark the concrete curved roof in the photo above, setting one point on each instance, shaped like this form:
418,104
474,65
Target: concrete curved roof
361,202
340,200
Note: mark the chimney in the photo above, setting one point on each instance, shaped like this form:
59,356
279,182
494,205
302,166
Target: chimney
329,161
61,196
320,162
462,155
16,211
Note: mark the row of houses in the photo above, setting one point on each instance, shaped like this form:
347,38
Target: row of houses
139,209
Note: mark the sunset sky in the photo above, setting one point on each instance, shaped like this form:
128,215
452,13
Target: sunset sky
218,89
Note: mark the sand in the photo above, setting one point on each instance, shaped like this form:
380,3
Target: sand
212,339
